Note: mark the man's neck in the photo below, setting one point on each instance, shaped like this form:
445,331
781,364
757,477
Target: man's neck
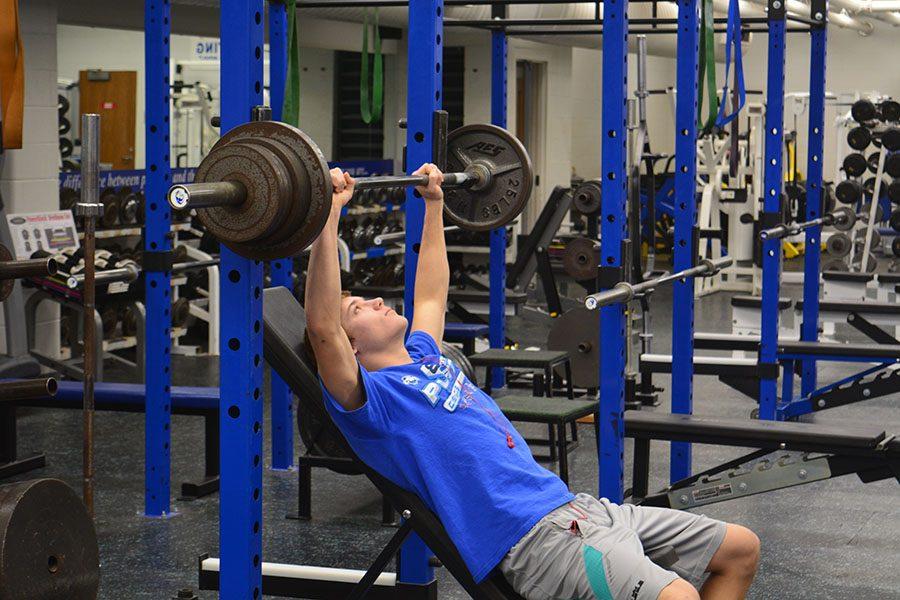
389,357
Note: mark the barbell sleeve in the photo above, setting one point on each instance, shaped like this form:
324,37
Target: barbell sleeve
36,267
127,273
401,235
28,389
624,291
185,196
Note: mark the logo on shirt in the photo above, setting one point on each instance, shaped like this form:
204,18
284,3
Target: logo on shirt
410,380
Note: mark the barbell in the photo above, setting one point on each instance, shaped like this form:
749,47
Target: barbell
624,291
842,218
264,189
11,269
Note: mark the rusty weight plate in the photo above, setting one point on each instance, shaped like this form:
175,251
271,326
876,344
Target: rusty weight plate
509,189
576,331
48,544
586,197
581,258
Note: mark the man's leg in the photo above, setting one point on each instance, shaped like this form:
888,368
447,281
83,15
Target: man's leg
733,565
679,590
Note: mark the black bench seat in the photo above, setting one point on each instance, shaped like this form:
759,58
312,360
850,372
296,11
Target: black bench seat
885,351
881,308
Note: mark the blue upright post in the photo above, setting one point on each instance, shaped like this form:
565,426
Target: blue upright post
497,319
809,328
613,227
281,399
157,258
240,367
424,90
685,220
772,213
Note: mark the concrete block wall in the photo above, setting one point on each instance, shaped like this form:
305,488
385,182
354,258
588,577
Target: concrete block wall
29,177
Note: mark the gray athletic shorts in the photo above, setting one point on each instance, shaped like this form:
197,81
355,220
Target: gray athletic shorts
592,548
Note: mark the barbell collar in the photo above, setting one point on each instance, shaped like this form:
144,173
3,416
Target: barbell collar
186,196
619,293
127,273
37,267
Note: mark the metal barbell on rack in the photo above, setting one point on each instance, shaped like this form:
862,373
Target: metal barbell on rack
265,192
11,269
842,218
397,236
624,291
130,271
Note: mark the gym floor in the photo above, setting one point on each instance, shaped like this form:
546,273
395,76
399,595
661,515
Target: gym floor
832,539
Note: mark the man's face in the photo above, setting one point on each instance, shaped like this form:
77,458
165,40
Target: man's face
369,323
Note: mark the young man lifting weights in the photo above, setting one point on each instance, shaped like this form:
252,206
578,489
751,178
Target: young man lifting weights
411,415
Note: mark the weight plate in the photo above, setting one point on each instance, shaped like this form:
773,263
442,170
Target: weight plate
838,245
48,544
835,264
894,191
891,139
848,192
863,110
895,246
62,104
581,259
267,183
871,264
892,165
315,196
586,197
879,212
854,164
890,111
65,147
504,196
461,360
64,126
68,198
872,162
129,212
859,138
844,218
181,311
129,322
110,200
895,221
6,285
576,331
109,318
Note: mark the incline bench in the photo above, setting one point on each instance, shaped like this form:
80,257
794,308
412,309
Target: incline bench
283,346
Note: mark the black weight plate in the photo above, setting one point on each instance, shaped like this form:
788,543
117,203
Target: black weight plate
65,147
859,138
48,544
267,183
854,164
62,104
316,197
507,193
577,331
461,360
68,198
891,139
894,192
838,245
895,221
890,111
64,126
892,165
879,212
110,199
895,246
586,197
848,192
181,311
581,259
6,285
863,111
109,317
872,162
129,322
835,264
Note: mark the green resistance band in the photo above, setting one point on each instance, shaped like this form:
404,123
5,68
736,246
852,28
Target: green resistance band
371,108
290,108
708,67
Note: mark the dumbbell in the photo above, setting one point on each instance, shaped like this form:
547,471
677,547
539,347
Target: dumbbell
68,198
893,191
129,322
879,212
861,136
895,246
181,311
110,200
838,245
835,264
892,164
895,221
130,206
854,164
849,191
864,111
109,317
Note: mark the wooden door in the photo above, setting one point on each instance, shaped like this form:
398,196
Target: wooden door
112,95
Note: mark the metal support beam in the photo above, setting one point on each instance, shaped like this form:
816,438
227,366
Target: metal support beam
280,397
497,317
809,328
613,227
685,217
157,300
240,367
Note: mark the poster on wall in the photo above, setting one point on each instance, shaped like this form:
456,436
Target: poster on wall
47,231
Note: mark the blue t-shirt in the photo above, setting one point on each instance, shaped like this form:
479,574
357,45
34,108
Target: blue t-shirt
431,431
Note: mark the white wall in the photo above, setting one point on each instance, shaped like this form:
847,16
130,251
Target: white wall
29,177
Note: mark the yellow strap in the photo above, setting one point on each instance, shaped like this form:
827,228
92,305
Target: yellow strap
12,75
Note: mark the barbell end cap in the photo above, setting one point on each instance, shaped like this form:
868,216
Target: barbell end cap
590,303
179,197
72,283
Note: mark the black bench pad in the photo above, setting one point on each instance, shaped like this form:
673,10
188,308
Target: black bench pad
847,276
810,437
822,349
745,301
882,308
889,278
524,359
538,409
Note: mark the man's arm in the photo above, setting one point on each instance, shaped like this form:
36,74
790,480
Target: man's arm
433,271
334,354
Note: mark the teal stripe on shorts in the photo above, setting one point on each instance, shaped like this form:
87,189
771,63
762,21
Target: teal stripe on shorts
596,572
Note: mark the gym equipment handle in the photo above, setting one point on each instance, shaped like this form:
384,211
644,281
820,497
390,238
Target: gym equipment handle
624,291
28,389
37,267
